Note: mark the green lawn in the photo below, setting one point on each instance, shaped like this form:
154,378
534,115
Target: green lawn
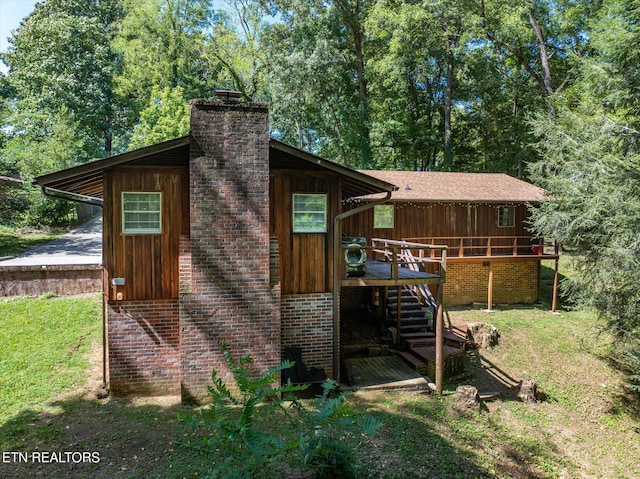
14,242
44,344
585,424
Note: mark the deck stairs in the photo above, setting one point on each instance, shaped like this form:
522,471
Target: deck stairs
417,337
416,314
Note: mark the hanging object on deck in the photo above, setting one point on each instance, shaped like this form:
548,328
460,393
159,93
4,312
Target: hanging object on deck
355,256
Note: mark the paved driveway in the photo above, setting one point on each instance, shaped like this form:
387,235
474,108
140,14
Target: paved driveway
80,246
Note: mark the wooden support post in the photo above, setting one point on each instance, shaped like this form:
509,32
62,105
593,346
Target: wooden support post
490,288
398,317
554,301
439,338
515,246
394,263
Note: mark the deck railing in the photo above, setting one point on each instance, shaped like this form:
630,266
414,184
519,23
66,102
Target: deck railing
402,254
413,255
463,246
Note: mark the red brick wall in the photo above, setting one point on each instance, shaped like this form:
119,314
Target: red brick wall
144,347
307,323
514,282
228,295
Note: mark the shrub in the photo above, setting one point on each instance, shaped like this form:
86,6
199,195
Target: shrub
257,422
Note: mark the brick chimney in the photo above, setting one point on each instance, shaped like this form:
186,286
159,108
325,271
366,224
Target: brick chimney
225,282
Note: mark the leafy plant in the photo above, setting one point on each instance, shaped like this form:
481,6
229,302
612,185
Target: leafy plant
255,422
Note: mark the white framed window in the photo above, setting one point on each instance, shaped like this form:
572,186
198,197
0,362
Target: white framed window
383,216
141,212
506,216
309,213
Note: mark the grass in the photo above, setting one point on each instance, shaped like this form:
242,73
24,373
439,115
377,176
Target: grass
585,424
44,344
14,241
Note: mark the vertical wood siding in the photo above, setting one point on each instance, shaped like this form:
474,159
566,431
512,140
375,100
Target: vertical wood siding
147,262
305,258
426,219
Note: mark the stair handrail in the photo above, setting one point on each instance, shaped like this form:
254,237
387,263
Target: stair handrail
421,291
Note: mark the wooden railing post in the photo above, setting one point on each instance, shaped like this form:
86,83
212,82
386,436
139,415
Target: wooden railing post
394,263
461,250
515,246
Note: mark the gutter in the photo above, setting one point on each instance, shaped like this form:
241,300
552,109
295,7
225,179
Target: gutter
336,277
65,195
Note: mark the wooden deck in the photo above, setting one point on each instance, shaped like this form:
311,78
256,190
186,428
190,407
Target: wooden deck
380,273
384,373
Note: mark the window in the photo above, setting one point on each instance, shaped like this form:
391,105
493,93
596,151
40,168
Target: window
506,216
141,212
309,213
383,216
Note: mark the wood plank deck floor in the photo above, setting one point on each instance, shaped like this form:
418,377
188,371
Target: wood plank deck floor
384,373
378,273
382,270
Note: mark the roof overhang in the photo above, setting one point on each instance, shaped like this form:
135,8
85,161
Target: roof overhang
354,183
85,181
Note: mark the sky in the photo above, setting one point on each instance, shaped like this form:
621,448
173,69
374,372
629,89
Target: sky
11,14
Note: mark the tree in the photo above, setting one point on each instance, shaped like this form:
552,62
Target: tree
591,167
317,61
233,47
542,36
166,117
160,43
407,86
61,56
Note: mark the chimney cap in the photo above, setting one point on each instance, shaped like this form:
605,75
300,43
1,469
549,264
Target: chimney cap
228,95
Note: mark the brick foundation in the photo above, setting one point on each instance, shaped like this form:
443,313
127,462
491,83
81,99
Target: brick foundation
307,323
514,282
144,347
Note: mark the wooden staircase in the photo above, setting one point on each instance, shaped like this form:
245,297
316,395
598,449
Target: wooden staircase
416,333
416,318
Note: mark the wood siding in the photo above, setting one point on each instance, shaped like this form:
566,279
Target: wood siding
147,262
426,219
305,258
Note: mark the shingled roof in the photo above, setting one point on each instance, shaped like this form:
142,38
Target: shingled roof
444,186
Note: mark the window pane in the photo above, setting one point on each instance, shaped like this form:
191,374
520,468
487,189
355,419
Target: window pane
141,212
506,216
383,216
309,213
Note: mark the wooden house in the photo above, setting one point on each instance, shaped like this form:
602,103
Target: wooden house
224,235
228,235
483,219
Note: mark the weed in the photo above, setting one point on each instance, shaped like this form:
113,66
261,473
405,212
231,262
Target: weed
241,426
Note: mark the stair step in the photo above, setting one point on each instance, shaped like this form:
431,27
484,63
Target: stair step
414,320
418,342
418,335
414,362
428,353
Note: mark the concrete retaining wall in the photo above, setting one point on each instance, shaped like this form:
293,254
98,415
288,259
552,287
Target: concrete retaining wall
36,280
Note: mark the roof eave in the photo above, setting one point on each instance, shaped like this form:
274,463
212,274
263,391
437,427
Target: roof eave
45,180
380,185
